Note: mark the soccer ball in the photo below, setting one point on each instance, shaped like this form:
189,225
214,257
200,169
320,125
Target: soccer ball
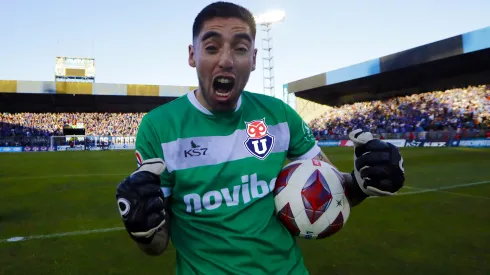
310,199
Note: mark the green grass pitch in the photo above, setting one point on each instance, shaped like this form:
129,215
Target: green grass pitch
430,230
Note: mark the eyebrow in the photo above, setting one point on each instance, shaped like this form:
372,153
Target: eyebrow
214,34
210,34
243,36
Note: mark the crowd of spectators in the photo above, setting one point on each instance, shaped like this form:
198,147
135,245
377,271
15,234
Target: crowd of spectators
455,109
464,109
52,124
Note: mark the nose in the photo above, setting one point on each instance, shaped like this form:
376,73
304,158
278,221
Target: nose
226,60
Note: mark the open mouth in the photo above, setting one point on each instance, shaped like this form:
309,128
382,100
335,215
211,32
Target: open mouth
223,87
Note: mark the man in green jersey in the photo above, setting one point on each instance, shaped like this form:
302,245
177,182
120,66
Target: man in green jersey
208,162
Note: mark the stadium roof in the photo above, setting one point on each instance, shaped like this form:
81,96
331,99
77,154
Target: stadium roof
58,103
460,60
59,96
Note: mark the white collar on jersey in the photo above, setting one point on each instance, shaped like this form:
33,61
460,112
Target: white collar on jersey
193,99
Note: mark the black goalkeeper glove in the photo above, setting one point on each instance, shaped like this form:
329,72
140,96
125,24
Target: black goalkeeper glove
141,201
378,165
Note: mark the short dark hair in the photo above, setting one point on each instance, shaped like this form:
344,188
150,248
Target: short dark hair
223,9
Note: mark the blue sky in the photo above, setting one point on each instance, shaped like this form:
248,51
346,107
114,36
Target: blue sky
145,41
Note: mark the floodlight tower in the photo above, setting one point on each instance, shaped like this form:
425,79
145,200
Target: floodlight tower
266,20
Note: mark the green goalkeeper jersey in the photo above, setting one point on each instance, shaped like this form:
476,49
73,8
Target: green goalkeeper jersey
221,170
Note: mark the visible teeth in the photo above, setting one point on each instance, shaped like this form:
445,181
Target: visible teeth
223,80
223,94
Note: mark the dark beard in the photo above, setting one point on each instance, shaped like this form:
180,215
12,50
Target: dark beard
204,93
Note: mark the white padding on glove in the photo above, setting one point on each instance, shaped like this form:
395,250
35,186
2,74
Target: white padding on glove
150,232
360,138
155,166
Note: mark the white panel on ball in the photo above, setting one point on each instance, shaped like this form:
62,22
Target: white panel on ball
315,195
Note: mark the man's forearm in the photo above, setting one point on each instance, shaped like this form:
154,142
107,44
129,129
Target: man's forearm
352,190
354,193
322,157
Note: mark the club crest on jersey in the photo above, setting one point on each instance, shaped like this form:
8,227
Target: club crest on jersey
259,142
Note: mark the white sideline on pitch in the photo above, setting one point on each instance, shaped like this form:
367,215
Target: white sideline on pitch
85,232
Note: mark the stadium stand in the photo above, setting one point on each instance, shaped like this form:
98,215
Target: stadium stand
33,112
35,129
465,111
48,124
437,93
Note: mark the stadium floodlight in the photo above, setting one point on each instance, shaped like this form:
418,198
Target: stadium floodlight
265,20
270,17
